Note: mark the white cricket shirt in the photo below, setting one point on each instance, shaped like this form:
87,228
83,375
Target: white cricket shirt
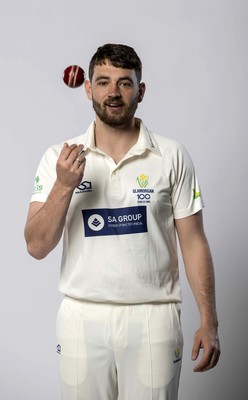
119,241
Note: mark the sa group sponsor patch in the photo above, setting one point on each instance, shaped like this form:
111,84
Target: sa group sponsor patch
115,221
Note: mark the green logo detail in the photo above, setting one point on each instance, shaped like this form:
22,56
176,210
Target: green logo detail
142,180
37,187
196,194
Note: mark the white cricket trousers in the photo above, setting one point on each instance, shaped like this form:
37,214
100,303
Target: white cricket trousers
124,352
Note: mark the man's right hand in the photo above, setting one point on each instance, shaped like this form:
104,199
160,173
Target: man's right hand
70,166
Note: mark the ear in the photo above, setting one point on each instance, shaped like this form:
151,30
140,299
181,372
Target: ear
142,89
87,86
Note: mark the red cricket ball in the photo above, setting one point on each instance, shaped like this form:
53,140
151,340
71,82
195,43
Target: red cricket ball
74,76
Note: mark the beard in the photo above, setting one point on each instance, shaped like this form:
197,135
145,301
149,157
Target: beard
115,118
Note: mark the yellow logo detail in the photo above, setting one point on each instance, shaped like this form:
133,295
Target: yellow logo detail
177,352
142,180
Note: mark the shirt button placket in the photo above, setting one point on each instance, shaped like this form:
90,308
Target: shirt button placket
115,183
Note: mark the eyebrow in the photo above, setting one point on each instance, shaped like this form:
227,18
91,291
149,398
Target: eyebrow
123,78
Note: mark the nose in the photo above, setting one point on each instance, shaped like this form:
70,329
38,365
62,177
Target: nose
114,91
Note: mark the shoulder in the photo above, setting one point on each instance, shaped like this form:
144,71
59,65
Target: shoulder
160,144
170,147
166,143
54,150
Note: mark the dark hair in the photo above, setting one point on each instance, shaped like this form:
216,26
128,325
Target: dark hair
119,55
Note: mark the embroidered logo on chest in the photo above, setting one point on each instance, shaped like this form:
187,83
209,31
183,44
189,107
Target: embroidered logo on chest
142,191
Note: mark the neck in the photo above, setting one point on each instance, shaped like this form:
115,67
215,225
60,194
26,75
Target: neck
116,141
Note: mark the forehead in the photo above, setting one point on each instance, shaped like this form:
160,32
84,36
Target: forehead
109,71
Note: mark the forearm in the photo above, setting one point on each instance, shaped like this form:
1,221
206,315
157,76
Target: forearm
198,264
46,221
200,273
44,229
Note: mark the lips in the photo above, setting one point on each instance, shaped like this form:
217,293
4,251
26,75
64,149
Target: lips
114,104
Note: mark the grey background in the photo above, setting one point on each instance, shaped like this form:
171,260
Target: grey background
195,63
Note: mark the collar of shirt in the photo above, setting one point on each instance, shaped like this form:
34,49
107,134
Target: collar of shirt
146,140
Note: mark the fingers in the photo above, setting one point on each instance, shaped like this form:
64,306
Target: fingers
74,155
209,360
70,153
210,354
196,349
80,159
70,165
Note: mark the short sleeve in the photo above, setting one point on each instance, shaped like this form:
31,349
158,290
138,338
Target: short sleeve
45,175
186,193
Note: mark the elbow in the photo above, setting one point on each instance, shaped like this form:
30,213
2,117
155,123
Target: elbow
37,252
38,246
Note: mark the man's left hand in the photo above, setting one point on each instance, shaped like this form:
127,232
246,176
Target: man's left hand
206,339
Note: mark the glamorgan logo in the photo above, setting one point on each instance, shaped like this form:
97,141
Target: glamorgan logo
142,180
143,193
178,356
114,221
